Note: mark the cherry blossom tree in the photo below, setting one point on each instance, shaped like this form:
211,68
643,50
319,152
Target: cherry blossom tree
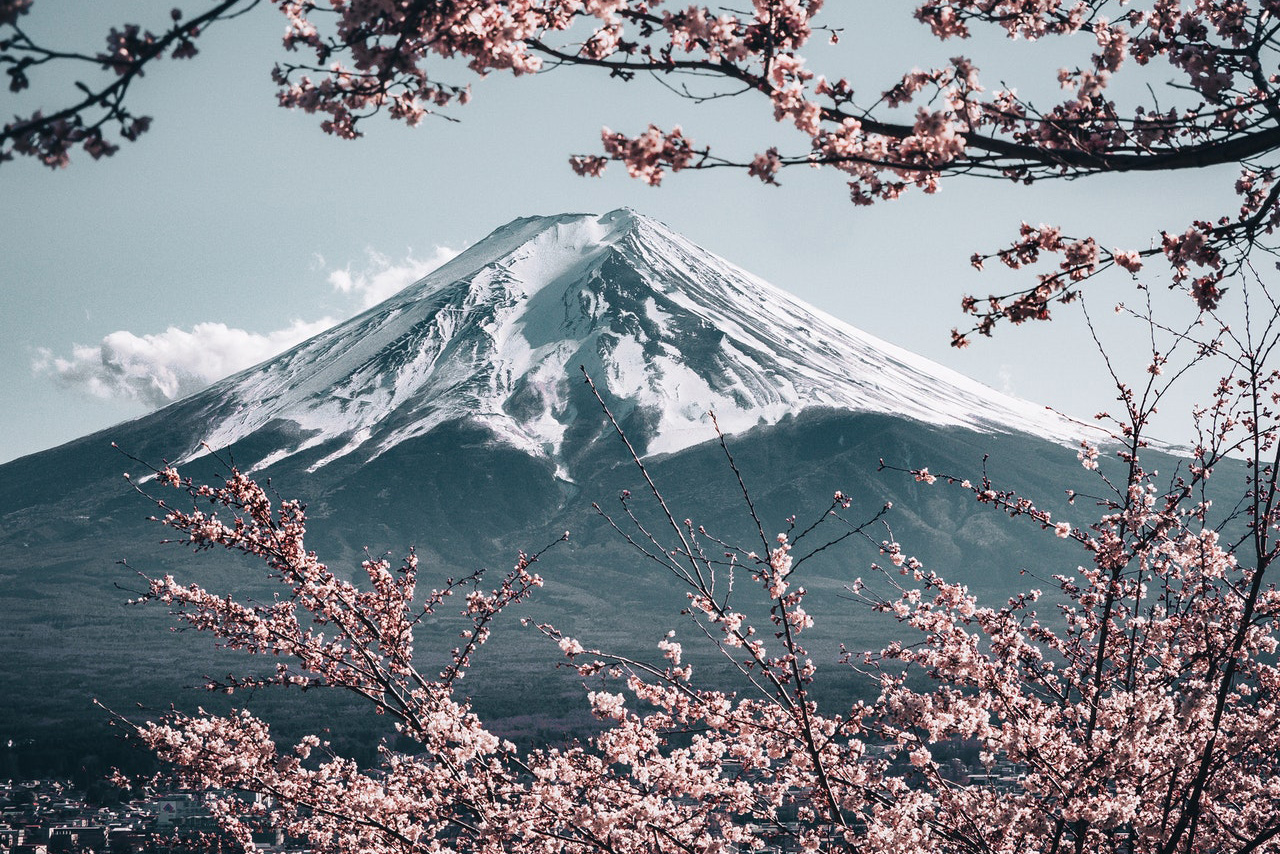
1131,705
1198,84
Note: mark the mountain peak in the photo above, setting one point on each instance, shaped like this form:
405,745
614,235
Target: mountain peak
534,249
670,331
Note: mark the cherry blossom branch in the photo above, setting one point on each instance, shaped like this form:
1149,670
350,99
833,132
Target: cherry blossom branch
51,137
927,126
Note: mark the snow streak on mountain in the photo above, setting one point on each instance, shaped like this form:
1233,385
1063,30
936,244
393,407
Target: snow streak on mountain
496,336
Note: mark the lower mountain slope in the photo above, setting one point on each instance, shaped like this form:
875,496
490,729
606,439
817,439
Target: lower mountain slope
465,501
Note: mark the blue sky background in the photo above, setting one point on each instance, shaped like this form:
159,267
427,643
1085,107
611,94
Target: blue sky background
232,211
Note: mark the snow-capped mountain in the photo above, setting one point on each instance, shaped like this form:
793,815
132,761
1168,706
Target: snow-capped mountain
496,336
453,418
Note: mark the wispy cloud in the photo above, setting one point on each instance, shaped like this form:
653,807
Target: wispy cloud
1005,376
381,276
157,368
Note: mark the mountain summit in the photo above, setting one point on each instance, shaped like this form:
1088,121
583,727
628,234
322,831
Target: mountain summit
495,338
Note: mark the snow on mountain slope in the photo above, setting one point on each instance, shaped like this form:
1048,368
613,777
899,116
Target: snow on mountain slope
496,337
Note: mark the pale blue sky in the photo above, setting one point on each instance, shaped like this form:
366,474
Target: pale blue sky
234,211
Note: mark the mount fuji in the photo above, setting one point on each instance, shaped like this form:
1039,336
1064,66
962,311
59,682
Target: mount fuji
454,417
496,336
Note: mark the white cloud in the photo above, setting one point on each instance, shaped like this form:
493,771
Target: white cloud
156,369
383,277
